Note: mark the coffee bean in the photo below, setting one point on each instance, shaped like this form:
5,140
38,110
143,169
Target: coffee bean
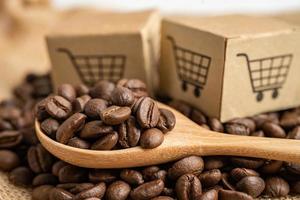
8,160
9,139
214,162
78,143
115,115
132,177
42,192
227,182
293,168
210,178
60,194
166,120
209,195
5,125
239,173
273,130
129,133
295,187
44,179
237,128
154,172
247,122
188,186
67,91
94,107
81,90
21,176
69,127
191,164
122,96
40,109
215,125
102,175
251,163
80,187
289,119
151,138
259,133
162,198
137,86
168,192
80,102
106,142
230,195
198,117
72,174
181,107
118,190
49,126
147,190
96,191
39,159
271,167
294,134
58,107
252,185
148,113
276,187
57,166
95,129
102,89
9,113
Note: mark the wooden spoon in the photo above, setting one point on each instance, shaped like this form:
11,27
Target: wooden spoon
187,138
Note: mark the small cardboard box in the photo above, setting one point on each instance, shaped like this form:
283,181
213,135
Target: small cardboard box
95,46
231,66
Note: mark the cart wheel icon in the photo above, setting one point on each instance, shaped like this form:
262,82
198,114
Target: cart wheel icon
259,96
275,94
197,92
184,86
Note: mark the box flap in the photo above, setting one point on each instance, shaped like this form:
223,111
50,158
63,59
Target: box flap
103,23
235,26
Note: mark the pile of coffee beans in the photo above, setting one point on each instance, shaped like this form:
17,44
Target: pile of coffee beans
191,178
107,116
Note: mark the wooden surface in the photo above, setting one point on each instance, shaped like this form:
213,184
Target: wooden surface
187,138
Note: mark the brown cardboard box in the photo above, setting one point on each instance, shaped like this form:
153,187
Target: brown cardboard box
106,46
231,66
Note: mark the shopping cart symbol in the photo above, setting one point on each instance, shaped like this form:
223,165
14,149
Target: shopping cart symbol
92,68
268,73
192,67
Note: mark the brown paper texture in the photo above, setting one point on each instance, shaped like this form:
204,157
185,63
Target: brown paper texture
291,17
253,64
85,49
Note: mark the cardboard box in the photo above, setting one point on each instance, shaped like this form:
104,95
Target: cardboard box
110,46
231,66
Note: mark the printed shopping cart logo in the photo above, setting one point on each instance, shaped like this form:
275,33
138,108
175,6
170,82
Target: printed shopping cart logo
192,67
92,68
268,73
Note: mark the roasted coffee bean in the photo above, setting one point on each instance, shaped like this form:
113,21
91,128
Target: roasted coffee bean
60,194
293,168
58,107
188,187
72,174
96,191
67,186
95,129
78,143
81,90
21,176
210,178
49,126
122,96
8,160
132,177
251,163
57,166
118,190
154,172
276,187
80,187
44,179
181,107
129,133
166,120
295,187
9,139
294,134
94,107
42,192
273,130
148,113
252,185
9,112
230,195
259,133
106,142
137,86
67,91
239,173
198,117
80,102
215,125
211,194
289,119
103,90
102,175
237,128
69,127
271,167
41,86
115,115
5,125
148,190
29,136
151,138
227,182
248,122
162,198
191,164
39,159
168,192
214,162
40,109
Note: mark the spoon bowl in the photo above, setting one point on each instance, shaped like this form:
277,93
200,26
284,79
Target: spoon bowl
187,138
